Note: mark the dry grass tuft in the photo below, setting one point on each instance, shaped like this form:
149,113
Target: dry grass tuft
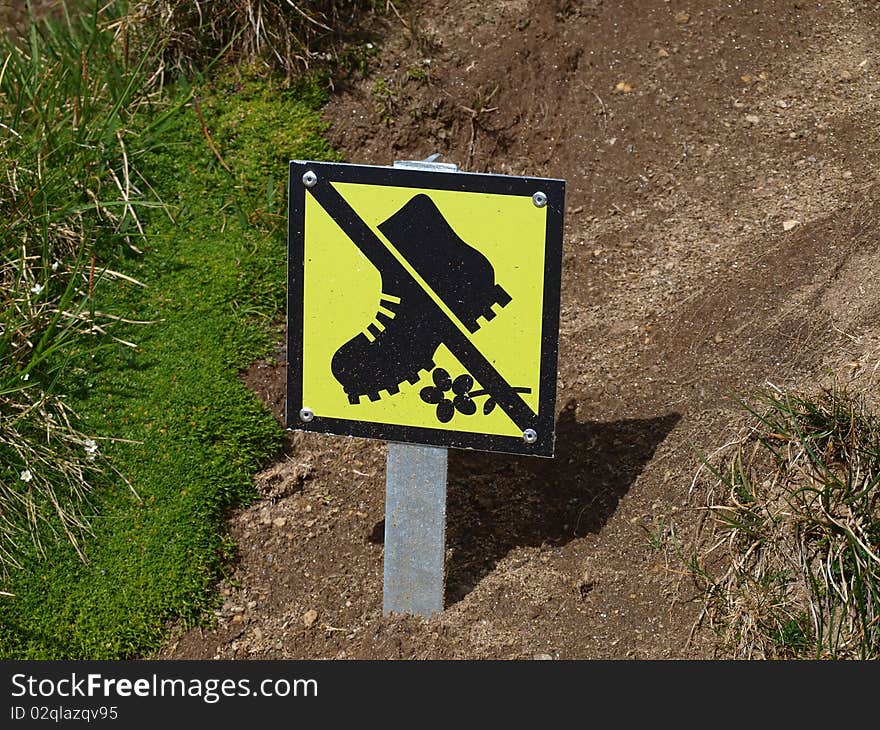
787,556
283,33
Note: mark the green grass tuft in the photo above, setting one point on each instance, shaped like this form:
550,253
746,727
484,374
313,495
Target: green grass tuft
70,200
188,435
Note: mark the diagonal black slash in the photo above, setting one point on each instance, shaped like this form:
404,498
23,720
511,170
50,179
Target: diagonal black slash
381,257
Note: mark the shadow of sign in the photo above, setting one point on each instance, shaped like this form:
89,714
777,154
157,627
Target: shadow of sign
498,502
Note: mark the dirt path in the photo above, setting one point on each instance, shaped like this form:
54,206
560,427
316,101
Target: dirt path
721,232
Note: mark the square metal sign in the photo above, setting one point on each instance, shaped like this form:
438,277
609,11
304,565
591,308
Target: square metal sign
423,306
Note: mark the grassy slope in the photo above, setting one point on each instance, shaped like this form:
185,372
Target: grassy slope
216,280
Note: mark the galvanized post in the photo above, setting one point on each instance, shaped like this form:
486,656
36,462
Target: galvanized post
415,529
415,510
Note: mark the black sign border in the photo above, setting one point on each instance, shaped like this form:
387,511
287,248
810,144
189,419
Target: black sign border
554,189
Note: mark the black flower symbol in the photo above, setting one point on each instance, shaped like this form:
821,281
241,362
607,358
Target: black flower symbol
461,400
462,396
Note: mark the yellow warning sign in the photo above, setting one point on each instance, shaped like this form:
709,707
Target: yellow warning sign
424,305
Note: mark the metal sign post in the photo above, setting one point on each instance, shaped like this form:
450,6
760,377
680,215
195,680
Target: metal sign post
415,510
415,529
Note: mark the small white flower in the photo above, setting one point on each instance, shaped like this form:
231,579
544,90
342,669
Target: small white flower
26,377
26,475
91,449
369,46
54,266
37,288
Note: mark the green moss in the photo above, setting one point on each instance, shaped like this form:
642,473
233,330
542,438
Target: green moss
190,434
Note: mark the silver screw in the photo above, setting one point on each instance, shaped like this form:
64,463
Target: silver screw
309,179
530,435
539,199
306,415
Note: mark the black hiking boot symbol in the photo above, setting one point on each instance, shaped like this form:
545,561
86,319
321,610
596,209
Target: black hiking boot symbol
408,327
462,277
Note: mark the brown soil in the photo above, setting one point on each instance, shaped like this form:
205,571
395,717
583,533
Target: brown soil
14,13
691,137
